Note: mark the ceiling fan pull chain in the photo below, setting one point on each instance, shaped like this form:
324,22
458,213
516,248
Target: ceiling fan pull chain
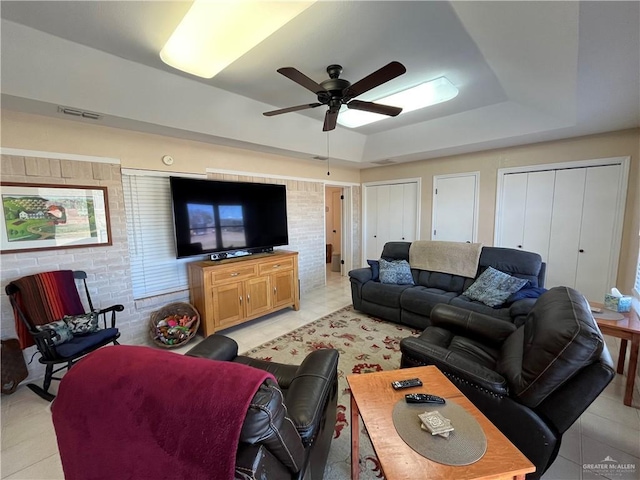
328,157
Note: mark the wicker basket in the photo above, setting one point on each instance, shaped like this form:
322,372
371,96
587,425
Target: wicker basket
167,334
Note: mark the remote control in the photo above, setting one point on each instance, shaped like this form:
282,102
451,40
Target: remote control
412,382
423,398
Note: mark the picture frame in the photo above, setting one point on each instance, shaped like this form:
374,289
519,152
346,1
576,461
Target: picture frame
50,217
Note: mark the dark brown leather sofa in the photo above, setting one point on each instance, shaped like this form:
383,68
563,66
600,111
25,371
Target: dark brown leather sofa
532,381
288,429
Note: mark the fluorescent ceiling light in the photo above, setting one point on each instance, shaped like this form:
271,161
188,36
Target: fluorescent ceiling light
421,96
215,33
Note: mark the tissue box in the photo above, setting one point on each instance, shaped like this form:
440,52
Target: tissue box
617,304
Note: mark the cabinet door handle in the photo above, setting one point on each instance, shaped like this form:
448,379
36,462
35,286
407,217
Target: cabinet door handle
240,299
248,298
275,290
581,250
519,246
277,265
235,274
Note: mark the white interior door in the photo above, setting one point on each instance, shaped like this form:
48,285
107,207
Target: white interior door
390,214
513,205
409,212
581,204
594,276
371,223
336,222
566,219
454,208
383,232
395,218
537,216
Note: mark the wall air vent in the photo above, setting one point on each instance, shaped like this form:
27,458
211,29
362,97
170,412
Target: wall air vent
79,113
386,161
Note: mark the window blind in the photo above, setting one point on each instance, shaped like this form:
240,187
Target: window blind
154,267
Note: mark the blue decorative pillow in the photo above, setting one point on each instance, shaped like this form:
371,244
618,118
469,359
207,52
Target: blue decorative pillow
531,292
493,287
82,324
61,332
375,269
397,272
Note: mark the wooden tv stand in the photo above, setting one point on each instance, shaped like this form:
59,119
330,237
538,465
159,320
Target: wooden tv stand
233,291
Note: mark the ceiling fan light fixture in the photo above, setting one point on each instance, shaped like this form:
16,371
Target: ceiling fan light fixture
424,95
213,34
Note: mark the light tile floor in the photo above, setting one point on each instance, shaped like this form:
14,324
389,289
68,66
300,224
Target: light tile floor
608,429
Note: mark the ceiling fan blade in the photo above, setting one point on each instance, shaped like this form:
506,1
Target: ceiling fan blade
383,75
374,108
330,120
301,79
291,109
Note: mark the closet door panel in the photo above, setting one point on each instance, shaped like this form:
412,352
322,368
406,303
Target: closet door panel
596,233
383,231
513,206
566,218
371,223
396,205
537,217
409,211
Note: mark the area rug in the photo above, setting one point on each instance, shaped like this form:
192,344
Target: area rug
366,344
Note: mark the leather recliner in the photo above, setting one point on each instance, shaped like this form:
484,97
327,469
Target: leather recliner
289,426
532,381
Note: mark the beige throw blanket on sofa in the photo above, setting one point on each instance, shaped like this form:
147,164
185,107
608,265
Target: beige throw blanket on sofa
456,258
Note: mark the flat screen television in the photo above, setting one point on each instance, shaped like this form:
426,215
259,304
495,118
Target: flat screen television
213,216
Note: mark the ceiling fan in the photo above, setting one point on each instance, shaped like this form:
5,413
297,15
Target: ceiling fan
335,92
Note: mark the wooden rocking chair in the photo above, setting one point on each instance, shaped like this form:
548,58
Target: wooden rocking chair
44,299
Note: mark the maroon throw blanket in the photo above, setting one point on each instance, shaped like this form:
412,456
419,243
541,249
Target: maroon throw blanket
133,412
45,298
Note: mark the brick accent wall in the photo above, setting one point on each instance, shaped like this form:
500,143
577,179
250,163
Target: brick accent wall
107,267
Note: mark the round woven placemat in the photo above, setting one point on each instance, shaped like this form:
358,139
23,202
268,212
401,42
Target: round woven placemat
465,445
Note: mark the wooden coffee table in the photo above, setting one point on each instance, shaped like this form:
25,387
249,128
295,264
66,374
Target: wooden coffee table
626,330
373,398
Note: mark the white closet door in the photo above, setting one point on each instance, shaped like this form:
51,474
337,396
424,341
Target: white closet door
409,211
454,208
513,206
596,233
566,219
537,216
395,217
390,214
383,234
371,223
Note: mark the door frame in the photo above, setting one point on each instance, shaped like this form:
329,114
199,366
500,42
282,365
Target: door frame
346,219
416,180
476,210
624,163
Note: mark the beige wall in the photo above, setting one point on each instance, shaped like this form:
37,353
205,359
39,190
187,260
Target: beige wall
145,151
615,144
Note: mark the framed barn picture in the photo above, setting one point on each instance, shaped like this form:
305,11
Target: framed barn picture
45,217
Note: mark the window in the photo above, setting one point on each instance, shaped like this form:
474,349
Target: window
155,269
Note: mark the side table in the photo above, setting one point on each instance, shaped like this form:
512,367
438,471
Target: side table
626,330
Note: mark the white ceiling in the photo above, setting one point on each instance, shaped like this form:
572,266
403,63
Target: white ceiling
526,71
